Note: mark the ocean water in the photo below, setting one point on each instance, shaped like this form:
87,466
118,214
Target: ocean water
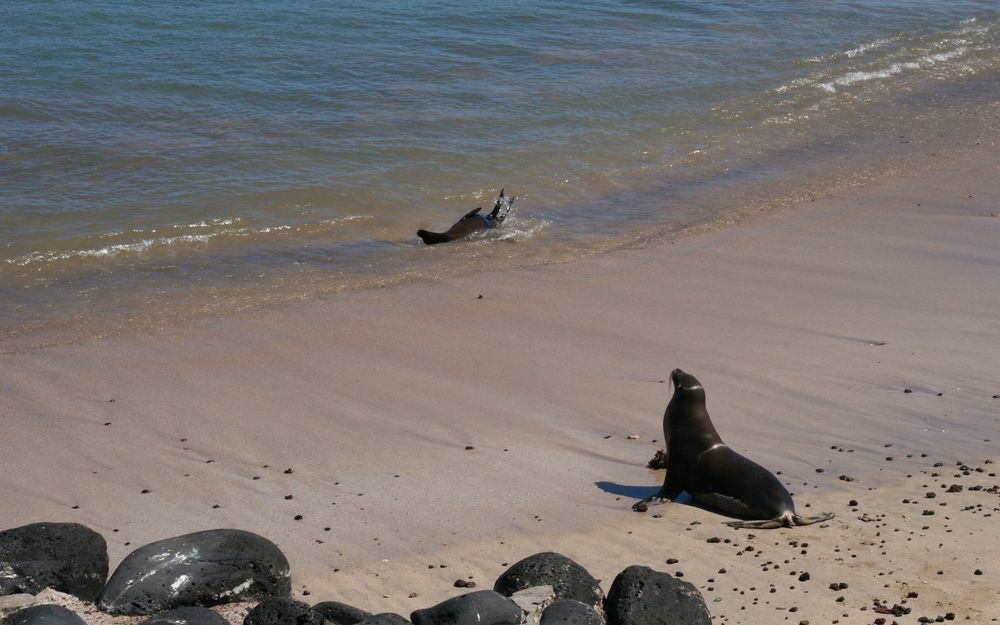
162,161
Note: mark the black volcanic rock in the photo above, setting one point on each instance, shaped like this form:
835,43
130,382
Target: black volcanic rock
642,596
200,569
186,616
283,611
483,607
47,614
570,612
67,557
340,613
568,579
385,618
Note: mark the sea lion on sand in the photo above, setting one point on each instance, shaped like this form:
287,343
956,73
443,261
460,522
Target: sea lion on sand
712,473
471,222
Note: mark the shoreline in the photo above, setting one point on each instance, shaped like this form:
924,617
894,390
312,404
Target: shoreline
806,326
101,295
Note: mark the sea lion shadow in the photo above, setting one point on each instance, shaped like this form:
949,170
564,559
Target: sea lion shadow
641,492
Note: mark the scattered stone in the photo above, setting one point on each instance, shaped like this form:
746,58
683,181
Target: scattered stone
340,613
283,611
67,557
187,616
200,569
464,583
641,595
570,612
804,577
483,607
568,579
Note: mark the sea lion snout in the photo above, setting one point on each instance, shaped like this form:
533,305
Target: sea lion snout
684,381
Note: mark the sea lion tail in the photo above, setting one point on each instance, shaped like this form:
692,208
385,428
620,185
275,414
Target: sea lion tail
788,519
430,238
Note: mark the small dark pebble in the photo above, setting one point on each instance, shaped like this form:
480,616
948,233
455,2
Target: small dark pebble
907,390
804,577
288,471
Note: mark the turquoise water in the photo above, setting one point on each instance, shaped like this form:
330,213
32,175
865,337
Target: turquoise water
217,156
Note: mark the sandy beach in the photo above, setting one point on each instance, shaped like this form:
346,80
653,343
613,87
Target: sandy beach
392,441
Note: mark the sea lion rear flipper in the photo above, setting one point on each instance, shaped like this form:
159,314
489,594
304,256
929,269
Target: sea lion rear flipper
789,519
501,208
809,520
768,524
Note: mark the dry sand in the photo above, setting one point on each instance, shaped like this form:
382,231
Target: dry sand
425,434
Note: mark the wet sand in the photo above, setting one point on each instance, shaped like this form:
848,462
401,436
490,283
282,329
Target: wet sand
395,440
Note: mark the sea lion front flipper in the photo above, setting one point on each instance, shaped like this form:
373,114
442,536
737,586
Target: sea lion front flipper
472,212
655,500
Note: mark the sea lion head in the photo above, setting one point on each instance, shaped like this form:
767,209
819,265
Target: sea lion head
685,382
688,391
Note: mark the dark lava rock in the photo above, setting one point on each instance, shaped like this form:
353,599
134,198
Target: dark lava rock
67,557
43,615
283,611
340,613
568,579
483,607
385,618
570,612
187,616
642,596
200,569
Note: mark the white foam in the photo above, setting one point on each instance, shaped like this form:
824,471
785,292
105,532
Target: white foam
865,47
896,68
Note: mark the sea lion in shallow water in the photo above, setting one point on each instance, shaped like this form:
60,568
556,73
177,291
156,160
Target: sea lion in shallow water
471,222
712,473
